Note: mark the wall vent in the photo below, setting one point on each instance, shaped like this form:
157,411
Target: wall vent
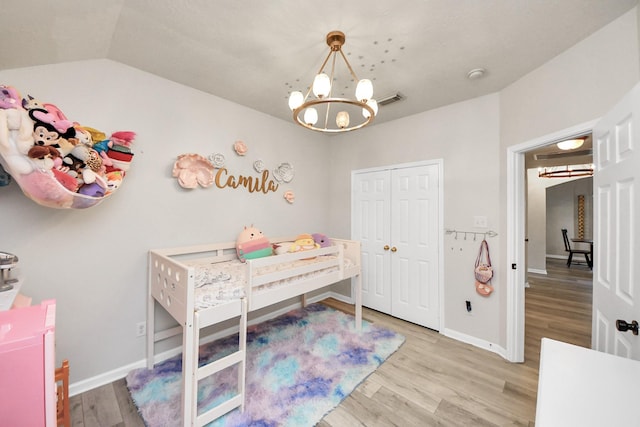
391,99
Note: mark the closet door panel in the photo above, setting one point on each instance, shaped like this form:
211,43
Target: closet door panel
371,226
414,234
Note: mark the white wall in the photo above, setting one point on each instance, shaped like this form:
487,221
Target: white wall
94,261
465,136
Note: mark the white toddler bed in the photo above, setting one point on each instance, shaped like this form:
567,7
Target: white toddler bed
207,284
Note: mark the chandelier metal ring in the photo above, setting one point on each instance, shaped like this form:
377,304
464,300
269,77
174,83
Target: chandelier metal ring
297,113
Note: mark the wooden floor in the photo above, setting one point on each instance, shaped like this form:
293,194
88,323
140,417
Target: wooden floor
431,379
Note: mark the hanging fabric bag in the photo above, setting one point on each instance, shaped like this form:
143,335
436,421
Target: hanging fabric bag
483,270
484,289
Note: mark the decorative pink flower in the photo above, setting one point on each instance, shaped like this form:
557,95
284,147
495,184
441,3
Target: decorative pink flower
193,169
289,196
240,147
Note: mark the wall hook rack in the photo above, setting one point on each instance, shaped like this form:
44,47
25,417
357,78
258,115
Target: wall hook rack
475,234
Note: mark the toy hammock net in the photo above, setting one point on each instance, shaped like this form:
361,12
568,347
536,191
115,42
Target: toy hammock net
56,162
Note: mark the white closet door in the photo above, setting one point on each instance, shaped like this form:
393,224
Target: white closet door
414,236
371,226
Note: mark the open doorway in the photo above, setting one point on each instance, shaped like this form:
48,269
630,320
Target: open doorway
558,294
559,195
516,232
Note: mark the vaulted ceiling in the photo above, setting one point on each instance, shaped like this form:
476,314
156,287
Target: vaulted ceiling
254,52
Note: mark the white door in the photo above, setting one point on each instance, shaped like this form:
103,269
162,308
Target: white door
616,290
414,234
371,225
396,218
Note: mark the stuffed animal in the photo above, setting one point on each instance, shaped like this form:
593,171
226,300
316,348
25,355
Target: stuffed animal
116,152
321,240
9,97
43,156
15,126
252,244
304,242
67,181
114,179
93,190
282,247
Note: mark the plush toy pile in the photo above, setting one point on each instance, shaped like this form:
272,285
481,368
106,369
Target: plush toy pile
252,244
56,162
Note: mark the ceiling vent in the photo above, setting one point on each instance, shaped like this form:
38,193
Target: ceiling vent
390,99
563,154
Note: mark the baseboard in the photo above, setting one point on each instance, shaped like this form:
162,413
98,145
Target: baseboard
82,386
537,271
476,342
564,257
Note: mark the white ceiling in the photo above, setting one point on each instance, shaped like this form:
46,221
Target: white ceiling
253,52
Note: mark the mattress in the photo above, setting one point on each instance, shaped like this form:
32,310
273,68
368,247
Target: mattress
217,283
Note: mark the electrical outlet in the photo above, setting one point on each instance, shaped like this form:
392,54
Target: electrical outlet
141,329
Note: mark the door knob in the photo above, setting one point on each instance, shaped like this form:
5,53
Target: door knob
393,249
386,247
623,326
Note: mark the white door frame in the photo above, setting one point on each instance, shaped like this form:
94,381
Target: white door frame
440,163
516,208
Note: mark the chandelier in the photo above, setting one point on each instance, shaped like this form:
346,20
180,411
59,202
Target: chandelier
566,171
363,107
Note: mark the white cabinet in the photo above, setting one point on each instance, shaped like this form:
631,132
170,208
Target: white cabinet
578,386
396,215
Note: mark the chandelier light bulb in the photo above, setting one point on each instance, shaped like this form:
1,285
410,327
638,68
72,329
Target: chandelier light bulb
342,119
295,99
373,104
364,90
321,85
310,116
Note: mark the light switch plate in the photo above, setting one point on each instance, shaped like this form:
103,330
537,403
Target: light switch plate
480,221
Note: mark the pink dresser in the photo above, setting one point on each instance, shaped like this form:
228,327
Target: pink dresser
27,366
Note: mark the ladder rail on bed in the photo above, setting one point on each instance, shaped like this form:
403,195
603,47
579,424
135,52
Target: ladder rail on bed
192,373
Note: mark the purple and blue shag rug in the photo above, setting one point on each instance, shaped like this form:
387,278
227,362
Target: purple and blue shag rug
300,366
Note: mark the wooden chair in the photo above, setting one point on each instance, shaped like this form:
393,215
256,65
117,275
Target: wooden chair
567,247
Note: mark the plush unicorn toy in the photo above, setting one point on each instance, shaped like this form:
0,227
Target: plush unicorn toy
252,244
